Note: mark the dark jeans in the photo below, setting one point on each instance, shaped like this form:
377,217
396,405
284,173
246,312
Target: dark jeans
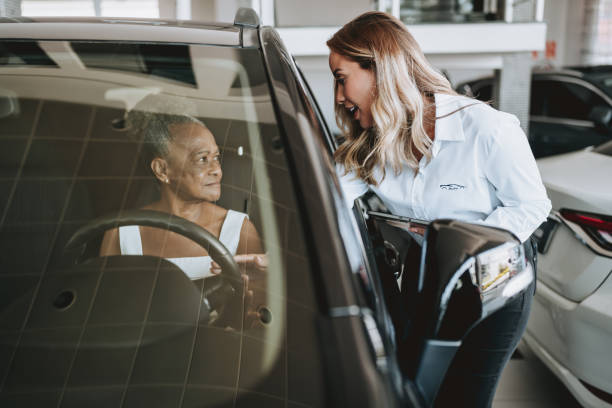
474,373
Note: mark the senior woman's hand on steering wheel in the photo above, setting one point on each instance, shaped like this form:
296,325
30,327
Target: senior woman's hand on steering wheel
250,262
252,268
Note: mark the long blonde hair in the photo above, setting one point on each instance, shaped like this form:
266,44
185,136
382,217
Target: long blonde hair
380,42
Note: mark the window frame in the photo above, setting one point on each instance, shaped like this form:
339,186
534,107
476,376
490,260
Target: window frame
353,380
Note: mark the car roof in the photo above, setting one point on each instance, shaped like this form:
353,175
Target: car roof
585,72
592,70
598,75
128,29
62,41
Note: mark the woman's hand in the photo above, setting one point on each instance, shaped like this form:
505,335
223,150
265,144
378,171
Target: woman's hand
412,227
253,268
419,229
247,262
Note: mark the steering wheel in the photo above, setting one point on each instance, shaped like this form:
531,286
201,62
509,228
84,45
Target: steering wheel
223,292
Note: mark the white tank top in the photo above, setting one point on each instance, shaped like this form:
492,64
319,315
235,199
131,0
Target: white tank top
195,267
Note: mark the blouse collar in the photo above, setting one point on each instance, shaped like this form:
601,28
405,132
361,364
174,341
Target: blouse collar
449,124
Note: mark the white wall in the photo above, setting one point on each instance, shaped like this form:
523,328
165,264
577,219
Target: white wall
203,10
300,13
564,20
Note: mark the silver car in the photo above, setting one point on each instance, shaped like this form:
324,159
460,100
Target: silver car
570,327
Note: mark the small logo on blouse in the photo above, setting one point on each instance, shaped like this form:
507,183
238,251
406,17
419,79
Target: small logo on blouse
451,187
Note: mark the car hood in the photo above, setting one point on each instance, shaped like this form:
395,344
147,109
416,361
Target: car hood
580,180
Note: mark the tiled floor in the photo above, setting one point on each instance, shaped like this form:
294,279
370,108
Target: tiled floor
527,383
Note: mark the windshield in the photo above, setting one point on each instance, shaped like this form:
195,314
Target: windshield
136,314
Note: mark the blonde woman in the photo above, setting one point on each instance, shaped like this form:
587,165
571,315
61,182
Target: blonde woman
429,153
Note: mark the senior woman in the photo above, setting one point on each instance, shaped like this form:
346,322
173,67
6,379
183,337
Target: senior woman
184,158
429,153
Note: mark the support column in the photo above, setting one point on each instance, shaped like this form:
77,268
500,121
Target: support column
167,9
513,88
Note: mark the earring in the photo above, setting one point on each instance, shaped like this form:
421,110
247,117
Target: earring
167,181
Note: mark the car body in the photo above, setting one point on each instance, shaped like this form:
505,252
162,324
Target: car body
569,109
80,329
570,327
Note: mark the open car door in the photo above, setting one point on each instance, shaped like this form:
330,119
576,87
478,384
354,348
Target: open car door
439,285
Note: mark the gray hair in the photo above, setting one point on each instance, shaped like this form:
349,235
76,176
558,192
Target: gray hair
150,120
154,130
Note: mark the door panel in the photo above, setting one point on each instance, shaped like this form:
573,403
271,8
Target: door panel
395,254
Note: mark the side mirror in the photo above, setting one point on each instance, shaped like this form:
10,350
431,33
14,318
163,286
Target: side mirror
469,272
601,116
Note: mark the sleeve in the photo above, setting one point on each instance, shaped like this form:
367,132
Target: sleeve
352,186
512,170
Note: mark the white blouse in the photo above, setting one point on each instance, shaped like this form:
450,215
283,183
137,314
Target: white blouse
195,267
481,170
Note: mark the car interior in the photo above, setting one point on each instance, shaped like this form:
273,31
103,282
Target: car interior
67,159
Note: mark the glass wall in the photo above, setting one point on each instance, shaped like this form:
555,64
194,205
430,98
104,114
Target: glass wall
452,11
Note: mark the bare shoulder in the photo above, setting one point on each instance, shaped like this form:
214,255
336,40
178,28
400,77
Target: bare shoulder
219,212
110,243
250,240
248,227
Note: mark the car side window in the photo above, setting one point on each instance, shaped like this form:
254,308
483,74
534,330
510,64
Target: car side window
561,99
538,98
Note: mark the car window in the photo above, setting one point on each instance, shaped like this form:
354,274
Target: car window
20,53
560,99
538,99
77,138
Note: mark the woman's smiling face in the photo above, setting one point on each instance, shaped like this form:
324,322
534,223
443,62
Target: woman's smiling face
355,88
194,168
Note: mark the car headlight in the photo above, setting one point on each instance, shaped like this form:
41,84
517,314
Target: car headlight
496,266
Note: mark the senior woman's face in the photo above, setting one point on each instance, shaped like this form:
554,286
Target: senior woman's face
194,169
355,88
